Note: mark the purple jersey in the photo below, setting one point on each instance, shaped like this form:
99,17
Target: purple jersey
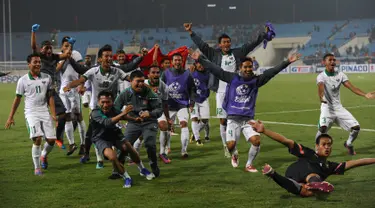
178,88
240,97
201,82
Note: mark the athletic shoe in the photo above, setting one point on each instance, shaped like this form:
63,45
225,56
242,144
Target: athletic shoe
268,170
72,149
81,149
127,183
350,149
199,143
38,172
320,186
207,139
192,139
155,170
84,159
235,161
226,152
251,169
147,174
59,143
99,165
164,158
114,176
44,162
184,155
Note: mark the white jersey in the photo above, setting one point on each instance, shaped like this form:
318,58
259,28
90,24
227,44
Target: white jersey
332,84
35,91
228,63
67,73
103,81
161,90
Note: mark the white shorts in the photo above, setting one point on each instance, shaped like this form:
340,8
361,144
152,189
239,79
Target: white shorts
72,101
220,112
201,110
40,125
86,97
182,115
339,115
234,129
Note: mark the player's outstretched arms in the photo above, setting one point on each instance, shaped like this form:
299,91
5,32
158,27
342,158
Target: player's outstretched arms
360,162
258,126
356,90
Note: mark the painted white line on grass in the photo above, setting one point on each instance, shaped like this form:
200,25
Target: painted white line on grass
308,125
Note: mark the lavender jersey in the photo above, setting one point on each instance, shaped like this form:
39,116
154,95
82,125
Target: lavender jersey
240,97
177,88
201,82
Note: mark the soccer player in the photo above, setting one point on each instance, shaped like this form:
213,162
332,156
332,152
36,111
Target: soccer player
37,88
307,176
106,134
103,77
331,111
201,112
229,60
239,102
142,121
182,92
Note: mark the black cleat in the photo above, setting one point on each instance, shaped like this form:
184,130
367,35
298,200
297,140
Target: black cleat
72,149
114,176
350,149
81,150
207,139
155,170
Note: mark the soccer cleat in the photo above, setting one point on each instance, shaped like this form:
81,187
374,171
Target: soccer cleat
235,161
155,170
147,174
268,170
199,143
114,176
38,172
226,152
127,183
192,139
184,155
81,149
84,159
44,162
60,144
99,165
320,186
251,169
350,149
164,158
72,149
207,139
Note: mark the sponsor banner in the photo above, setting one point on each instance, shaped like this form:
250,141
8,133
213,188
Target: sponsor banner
10,78
355,68
371,68
261,70
300,69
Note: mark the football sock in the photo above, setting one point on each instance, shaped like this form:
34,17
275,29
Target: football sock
184,139
195,128
69,130
223,134
253,152
352,136
162,139
35,153
47,149
82,131
288,184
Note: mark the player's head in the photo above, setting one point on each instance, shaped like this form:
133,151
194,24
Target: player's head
46,48
329,61
246,67
34,63
137,79
88,60
177,61
165,64
121,58
105,100
154,73
105,55
198,66
65,43
224,43
323,145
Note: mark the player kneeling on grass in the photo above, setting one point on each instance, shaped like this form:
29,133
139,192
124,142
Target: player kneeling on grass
106,134
37,88
306,177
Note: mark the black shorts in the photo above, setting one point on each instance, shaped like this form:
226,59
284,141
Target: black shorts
59,105
299,170
101,145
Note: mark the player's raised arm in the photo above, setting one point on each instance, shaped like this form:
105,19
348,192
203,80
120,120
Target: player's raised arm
75,83
356,90
203,46
258,126
34,28
360,162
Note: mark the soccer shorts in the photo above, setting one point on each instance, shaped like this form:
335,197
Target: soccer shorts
59,105
101,145
86,97
182,115
234,129
220,112
40,125
201,110
72,101
338,115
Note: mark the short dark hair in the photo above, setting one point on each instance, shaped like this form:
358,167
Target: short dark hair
164,59
223,36
327,55
243,60
104,48
45,43
65,39
105,93
135,74
153,66
29,57
176,54
317,141
120,51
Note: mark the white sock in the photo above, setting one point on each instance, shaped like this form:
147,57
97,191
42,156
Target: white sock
253,152
169,138
140,166
35,153
184,139
82,131
223,133
206,127
195,126
126,175
162,139
69,130
137,145
99,156
352,136
47,149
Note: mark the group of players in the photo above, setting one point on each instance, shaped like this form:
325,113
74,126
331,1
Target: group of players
121,92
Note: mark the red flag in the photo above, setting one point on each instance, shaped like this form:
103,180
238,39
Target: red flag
147,60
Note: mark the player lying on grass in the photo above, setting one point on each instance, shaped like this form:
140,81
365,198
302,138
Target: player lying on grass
307,176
